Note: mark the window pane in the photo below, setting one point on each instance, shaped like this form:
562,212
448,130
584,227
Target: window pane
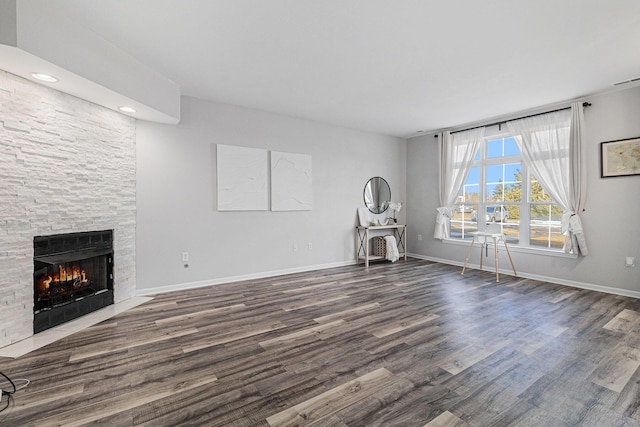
513,212
504,182
461,224
537,192
502,147
466,202
470,191
510,147
495,183
507,216
495,213
511,230
494,148
544,226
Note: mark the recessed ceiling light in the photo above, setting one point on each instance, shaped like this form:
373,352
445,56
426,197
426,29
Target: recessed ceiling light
44,77
127,109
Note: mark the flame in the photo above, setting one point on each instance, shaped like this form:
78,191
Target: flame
44,283
62,274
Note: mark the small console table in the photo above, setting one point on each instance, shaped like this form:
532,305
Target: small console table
362,241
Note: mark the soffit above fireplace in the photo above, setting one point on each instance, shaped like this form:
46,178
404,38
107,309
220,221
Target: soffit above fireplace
97,71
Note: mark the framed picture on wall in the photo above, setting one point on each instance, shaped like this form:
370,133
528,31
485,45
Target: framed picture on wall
620,158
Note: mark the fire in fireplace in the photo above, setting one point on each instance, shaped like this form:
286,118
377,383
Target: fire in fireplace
73,275
61,283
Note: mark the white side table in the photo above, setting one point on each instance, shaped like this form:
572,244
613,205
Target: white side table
484,238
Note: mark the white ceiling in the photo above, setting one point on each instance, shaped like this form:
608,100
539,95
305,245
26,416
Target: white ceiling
391,67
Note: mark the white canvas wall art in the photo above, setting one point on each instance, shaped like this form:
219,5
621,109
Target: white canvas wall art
242,175
291,182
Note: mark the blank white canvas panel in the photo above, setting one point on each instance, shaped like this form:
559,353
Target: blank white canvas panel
242,178
291,182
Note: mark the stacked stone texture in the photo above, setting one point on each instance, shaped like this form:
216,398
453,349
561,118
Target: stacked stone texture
66,165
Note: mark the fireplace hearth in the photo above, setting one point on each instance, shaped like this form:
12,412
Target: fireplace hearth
73,276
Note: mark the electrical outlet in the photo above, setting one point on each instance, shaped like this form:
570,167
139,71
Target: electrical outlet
630,261
419,236
310,246
185,256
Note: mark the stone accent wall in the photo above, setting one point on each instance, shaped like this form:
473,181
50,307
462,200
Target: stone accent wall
66,165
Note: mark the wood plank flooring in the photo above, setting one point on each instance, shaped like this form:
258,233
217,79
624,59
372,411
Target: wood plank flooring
406,344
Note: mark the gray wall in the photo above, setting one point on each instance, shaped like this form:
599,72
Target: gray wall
611,220
176,196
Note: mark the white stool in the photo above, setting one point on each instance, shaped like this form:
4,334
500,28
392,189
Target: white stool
491,235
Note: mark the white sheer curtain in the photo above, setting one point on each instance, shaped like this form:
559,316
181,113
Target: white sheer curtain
456,155
551,147
576,241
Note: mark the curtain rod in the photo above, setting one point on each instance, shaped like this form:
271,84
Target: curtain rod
584,104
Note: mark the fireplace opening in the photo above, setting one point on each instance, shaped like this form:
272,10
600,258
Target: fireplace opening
73,276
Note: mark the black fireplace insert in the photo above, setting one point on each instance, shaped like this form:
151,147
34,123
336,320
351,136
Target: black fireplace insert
73,276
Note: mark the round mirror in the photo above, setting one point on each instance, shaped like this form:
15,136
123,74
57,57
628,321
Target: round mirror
377,195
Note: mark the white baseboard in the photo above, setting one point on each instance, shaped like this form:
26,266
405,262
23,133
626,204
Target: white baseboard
231,279
565,282
262,275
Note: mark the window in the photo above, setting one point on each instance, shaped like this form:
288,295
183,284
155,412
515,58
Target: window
500,186
544,218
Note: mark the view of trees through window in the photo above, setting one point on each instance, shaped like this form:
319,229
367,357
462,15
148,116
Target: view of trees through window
526,213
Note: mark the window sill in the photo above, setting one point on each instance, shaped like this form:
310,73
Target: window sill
519,249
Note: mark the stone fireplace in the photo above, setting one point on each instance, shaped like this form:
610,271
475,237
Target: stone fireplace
73,276
68,167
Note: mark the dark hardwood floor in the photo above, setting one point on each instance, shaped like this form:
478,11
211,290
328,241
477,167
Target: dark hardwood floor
409,344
